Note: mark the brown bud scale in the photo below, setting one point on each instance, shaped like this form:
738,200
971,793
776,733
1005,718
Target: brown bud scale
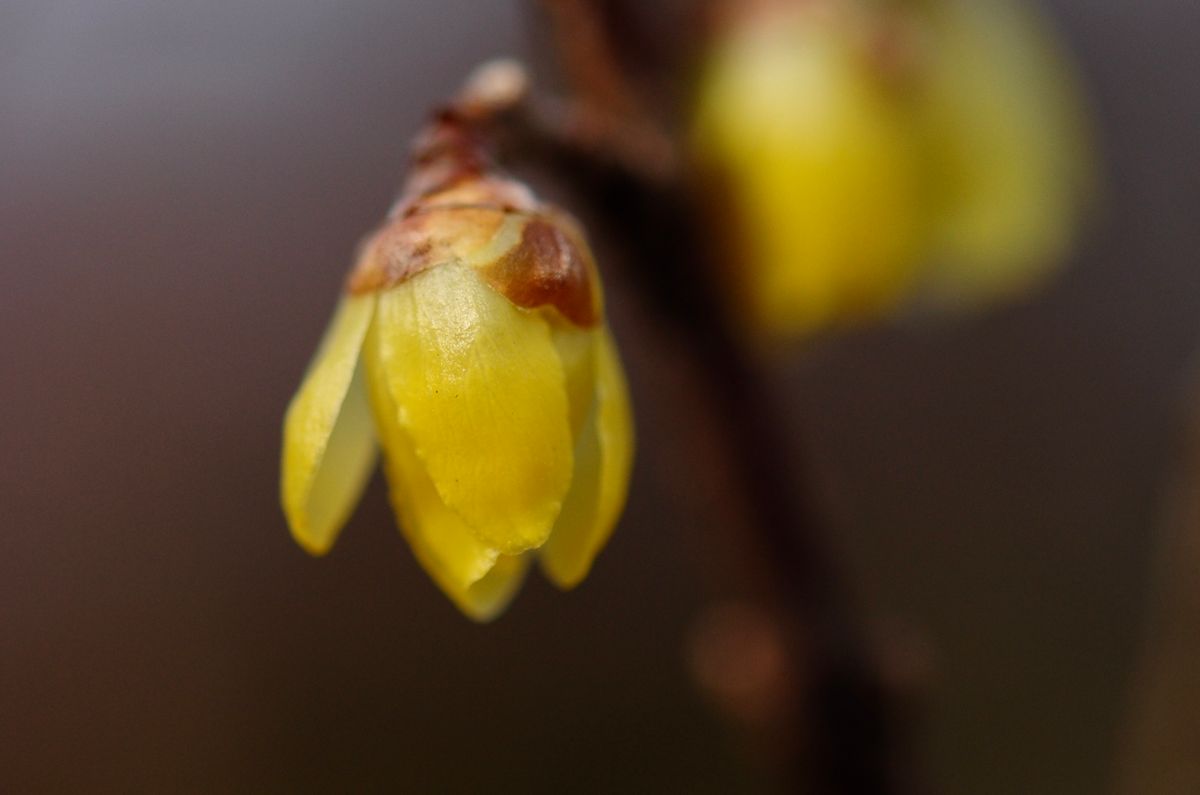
456,208
546,269
545,266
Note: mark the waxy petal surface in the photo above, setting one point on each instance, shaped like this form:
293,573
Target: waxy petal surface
472,574
481,393
604,459
328,441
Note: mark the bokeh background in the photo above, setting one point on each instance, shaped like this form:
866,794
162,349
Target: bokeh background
181,186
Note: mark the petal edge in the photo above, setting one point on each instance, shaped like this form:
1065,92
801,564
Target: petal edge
605,460
328,441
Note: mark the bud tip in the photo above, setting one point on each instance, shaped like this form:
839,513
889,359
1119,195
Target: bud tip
496,85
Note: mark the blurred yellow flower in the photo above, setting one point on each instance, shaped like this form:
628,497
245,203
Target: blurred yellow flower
865,154
471,345
820,162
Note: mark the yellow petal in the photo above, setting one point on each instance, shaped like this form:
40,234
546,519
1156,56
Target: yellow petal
604,458
576,350
476,577
461,565
482,395
328,442
488,598
480,581
1009,139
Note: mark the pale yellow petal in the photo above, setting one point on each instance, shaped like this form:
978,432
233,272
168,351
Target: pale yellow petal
481,392
566,557
479,580
443,541
604,458
446,548
328,441
576,349
489,597
614,426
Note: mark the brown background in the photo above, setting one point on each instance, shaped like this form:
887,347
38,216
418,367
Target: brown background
181,185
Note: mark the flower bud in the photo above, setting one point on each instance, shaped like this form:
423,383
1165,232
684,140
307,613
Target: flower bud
472,345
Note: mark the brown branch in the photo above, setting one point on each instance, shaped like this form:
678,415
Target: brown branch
1158,747
582,37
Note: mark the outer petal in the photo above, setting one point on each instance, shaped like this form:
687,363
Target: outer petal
577,351
475,577
488,598
480,581
481,394
604,458
328,442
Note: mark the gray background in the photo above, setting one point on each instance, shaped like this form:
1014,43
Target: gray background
181,185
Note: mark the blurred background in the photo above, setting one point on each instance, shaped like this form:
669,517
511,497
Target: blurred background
181,189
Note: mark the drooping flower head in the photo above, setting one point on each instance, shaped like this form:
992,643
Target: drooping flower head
471,346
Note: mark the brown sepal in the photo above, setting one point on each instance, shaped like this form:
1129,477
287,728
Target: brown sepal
454,205
547,268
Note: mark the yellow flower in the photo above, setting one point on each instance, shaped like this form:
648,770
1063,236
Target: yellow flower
471,346
865,154
819,162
